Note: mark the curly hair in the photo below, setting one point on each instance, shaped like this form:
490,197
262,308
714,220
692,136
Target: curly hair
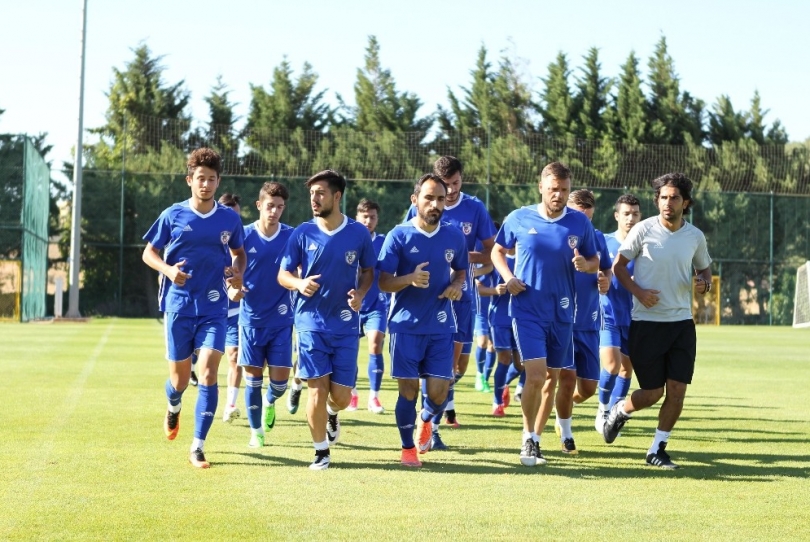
204,157
679,181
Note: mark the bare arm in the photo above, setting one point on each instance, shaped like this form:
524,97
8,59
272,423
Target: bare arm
306,286
513,284
453,290
585,265
151,257
237,269
356,295
485,255
648,298
488,291
703,281
394,283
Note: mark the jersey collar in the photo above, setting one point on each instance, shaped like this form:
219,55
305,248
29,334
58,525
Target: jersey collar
456,204
336,230
544,217
199,214
423,232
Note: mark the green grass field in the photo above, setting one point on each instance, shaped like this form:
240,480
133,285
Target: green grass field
83,456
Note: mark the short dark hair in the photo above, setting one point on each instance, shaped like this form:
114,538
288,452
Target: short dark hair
230,200
679,181
582,198
428,177
273,190
367,205
627,199
556,170
447,166
204,157
336,181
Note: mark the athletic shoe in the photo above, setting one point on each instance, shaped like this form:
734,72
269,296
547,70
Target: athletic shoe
479,381
321,460
293,400
409,458
518,394
424,430
599,421
269,417
230,414
375,406
540,459
193,380
333,428
528,453
256,441
568,447
197,459
661,458
506,396
436,442
614,423
451,419
353,403
497,411
485,387
171,424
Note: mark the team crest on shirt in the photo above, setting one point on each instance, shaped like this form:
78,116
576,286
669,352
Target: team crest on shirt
466,227
224,236
573,241
351,256
449,254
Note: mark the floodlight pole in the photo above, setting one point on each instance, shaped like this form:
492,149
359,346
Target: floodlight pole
76,219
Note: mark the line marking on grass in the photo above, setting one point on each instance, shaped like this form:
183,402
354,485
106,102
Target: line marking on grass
22,489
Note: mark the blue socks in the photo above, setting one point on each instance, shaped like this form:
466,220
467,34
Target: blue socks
606,383
437,418
375,371
405,413
172,394
253,401
489,364
207,399
619,391
275,390
480,355
511,374
500,382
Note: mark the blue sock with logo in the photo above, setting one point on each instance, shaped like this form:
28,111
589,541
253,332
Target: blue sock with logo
405,414
489,364
607,382
619,390
480,355
375,371
206,409
500,382
172,394
253,400
275,390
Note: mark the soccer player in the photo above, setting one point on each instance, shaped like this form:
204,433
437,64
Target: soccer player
423,262
265,316
468,214
666,249
231,412
336,260
552,242
373,313
617,369
579,383
202,241
484,350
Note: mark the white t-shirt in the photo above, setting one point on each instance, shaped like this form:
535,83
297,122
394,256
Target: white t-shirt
664,260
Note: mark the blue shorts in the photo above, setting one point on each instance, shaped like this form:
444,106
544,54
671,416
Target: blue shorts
186,334
586,354
321,354
615,337
373,321
272,345
232,336
481,324
549,340
464,321
503,338
421,356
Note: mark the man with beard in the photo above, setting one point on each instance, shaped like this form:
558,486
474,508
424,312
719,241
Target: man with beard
662,342
330,262
201,240
423,262
552,243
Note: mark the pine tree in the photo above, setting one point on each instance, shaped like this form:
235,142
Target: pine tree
591,99
556,103
725,124
630,114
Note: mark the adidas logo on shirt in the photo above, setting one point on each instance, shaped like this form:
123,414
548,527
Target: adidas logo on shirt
414,250
312,246
532,231
187,228
252,250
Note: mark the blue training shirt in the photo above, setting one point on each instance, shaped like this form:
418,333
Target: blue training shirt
204,242
471,217
337,256
499,306
545,248
376,300
266,303
419,311
617,305
588,315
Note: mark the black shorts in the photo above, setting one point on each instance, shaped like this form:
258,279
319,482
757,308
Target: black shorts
661,351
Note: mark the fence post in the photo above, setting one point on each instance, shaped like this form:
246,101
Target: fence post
489,153
770,271
121,224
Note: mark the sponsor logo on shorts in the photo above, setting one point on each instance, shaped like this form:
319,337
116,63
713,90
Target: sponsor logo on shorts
345,315
441,317
565,302
213,296
224,236
351,256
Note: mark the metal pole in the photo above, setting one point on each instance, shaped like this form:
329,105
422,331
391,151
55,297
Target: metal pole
121,224
76,219
489,152
770,271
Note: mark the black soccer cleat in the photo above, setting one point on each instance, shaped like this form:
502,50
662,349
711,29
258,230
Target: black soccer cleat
661,458
614,423
193,380
321,460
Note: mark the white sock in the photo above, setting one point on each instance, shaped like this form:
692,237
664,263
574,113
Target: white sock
602,408
259,431
329,410
536,437
526,436
565,428
372,395
518,389
174,409
660,436
321,445
451,405
197,444
297,386
621,408
354,392
233,393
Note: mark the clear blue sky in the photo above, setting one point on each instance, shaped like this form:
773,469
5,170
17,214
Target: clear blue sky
719,47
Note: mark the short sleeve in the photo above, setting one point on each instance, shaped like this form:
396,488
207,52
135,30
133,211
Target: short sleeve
506,235
631,246
701,260
388,259
290,257
160,232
